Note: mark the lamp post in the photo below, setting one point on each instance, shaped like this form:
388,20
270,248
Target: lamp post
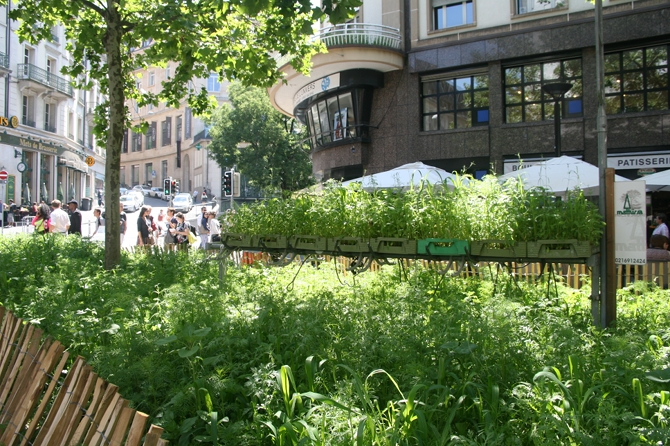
557,91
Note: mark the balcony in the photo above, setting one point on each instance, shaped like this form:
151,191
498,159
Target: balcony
4,64
49,128
28,122
350,46
43,82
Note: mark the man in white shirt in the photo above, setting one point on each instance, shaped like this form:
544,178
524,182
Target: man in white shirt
59,220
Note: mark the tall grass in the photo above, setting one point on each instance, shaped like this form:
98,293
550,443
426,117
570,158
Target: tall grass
380,361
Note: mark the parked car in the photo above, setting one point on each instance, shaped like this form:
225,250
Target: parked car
146,190
123,190
156,192
129,202
139,196
182,202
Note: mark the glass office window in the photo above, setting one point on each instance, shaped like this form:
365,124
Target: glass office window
455,102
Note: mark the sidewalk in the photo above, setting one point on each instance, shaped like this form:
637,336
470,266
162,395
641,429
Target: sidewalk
87,227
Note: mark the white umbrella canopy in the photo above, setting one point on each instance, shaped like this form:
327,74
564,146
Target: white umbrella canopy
405,176
658,182
560,175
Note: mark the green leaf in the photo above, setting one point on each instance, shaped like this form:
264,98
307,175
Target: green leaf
167,340
185,353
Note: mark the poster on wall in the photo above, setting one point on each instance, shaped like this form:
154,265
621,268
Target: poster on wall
630,223
339,124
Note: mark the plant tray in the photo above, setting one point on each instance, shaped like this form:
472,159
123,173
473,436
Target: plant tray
443,247
349,244
389,245
499,248
237,241
559,249
308,243
271,241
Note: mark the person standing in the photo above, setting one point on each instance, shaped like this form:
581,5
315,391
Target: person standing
123,219
203,228
99,198
10,213
195,196
59,220
142,228
214,228
41,220
97,214
170,239
659,249
181,231
75,217
661,226
203,197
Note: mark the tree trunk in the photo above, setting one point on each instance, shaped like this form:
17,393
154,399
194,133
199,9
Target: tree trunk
114,136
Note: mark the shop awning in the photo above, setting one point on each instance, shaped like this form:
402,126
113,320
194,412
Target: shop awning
72,161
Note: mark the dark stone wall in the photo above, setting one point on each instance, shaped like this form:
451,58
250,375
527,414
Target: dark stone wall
396,136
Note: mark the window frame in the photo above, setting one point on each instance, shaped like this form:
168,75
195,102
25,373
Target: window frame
473,109
442,6
558,4
546,102
645,71
215,86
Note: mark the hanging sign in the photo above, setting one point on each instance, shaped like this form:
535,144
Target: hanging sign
90,161
630,223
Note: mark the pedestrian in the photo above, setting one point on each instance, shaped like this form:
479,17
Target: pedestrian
195,196
203,198
41,220
59,221
662,227
203,228
214,228
143,230
181,231
170,239
99,221
10,212
659,249
161,215
123,219
99,197
75,217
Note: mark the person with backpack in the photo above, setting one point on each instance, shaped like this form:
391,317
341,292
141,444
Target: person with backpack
41,220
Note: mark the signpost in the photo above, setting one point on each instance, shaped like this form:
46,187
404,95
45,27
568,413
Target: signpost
3,182
3,175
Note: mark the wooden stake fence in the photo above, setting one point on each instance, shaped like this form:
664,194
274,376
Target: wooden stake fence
43,402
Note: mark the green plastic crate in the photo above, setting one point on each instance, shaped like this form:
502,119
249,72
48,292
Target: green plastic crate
443,247
308,243
272,241
396,246
237,240
348,244
499,248
559,249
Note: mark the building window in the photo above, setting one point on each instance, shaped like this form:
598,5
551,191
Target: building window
122,175
167,72
526,102
136,142
526,6
151,136
28,111
455,102
50,118
187,122
449,13
135,175
148,173
166,132
152,79
636,80
213,84
333,119
124,147
164,166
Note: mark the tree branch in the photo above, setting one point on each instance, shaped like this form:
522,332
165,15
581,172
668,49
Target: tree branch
94,7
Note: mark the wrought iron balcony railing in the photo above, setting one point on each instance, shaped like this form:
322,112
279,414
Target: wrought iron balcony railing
28,122
4,60
28,71
360,34
49,128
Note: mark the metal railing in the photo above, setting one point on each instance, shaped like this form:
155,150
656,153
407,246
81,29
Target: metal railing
28,122
49,128
4,60
28,71
360,34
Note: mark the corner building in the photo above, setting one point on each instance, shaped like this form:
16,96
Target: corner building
457,84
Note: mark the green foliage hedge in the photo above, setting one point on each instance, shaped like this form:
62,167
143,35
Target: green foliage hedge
472,210
400,357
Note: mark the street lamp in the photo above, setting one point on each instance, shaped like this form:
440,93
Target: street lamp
557,91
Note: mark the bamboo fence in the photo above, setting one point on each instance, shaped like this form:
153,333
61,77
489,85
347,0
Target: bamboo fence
47,399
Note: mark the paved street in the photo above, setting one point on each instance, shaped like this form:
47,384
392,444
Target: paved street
88,225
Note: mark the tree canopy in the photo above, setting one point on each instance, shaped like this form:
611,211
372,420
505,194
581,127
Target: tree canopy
106,41
263,143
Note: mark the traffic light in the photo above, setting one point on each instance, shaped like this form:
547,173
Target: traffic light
228,183
167,190
175,187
